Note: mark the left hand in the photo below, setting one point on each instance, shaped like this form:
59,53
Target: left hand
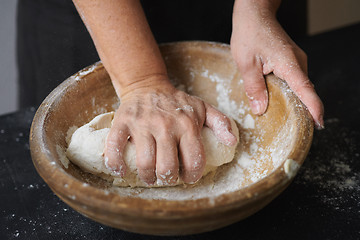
260,46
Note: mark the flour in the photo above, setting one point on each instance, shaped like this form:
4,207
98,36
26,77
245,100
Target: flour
291,167
87,143
249,165
330,167
85,71
249,121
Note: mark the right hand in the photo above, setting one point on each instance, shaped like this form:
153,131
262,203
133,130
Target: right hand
164,123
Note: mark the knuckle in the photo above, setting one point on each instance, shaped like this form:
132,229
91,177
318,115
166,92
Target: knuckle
226,121
112,148
194,160
145,155
254,90
245,60
300,53
161,125
307,84
294,54
300,86
244,64
144,164
166,167
190,124
111,143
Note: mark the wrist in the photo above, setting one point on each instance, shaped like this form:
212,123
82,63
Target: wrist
151,83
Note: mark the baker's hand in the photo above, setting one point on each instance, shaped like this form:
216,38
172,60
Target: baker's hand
164,123
260,46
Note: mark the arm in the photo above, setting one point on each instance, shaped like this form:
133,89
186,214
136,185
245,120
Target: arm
149,110
260,46
124,43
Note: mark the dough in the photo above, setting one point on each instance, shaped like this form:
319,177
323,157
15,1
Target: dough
86,150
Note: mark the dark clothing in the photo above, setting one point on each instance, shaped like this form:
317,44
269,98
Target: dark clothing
53,43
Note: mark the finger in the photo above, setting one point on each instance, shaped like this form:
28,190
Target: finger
167,163
255,87
114,148
220,125
192,157
299,82
145,158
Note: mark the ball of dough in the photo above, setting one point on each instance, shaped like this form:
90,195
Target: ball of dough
86,150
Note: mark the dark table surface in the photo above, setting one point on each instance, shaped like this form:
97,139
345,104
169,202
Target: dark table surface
323,202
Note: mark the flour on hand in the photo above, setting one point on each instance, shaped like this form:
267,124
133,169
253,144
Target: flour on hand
86,150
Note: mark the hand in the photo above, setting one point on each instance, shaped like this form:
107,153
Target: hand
260,46
164,123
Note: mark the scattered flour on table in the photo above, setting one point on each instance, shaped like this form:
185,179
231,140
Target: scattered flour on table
333,158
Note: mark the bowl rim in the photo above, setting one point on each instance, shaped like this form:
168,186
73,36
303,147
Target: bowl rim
53,174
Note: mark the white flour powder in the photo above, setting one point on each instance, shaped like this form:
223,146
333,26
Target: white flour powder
249,165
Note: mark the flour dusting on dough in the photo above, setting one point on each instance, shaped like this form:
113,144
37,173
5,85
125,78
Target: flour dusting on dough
252,162
87,143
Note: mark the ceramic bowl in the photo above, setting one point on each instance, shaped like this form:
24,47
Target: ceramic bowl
277,142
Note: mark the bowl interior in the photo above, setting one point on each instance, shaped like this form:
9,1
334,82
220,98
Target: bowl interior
203,69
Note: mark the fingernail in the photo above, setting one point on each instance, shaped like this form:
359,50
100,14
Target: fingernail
319,125
150,183
229,139
196,179
224,133
117,171
256,107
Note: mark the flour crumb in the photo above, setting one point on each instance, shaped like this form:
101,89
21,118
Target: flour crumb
249,122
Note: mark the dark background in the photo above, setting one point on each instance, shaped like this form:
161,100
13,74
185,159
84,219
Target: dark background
323,202
53,43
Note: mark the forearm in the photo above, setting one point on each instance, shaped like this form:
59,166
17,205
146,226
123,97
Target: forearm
124,42
270,6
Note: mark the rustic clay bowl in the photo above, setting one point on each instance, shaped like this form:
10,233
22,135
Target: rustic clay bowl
201,66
